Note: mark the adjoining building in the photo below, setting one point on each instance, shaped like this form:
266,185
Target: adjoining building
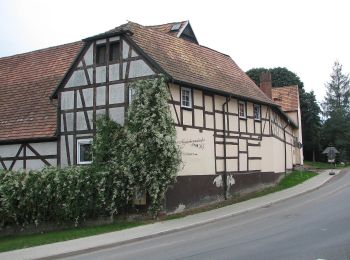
234,135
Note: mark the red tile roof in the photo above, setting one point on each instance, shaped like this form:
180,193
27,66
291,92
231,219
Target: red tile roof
286,97
191,63
28,79
26,83
166,28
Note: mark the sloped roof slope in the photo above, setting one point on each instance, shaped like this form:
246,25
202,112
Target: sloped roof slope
26,82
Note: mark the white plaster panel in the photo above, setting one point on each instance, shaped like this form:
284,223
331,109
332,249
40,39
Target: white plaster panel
69,121
175,92
116,94
114,39
89,56
45,148
242,125
219,150
101,96
101,41
88,97
219,121
90,74
232,165
186,117
125,49
249,109
209,121
243,145
250,123
257,127
198,98
91,118
254,165
208,100
35,164
139,68
220,167
243,161
113,72
77,79
233,123
254,151
9,150
266,127
117,114
198,117
100,112
52,162
63,156
18,165
80,65
81,121
197,151
101,74
67,100
79,104
219,101
8,164
134,53
173,113
124,70
231,150
232,106
70,142
264,113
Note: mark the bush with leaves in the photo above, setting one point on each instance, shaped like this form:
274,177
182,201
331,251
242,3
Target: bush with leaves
153,155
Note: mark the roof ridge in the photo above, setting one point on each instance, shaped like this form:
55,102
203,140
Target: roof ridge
165,23
38,50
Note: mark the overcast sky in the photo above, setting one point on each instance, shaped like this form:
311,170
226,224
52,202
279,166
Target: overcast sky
304,36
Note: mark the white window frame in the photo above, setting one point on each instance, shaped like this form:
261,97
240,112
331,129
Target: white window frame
80,142
190,97
244,110
254,106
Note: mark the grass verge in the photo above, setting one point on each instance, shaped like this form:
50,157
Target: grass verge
323,165
23,241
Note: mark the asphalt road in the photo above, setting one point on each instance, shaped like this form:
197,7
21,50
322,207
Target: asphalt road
315,225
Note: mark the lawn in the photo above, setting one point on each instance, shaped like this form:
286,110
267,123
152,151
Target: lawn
23,241
324,165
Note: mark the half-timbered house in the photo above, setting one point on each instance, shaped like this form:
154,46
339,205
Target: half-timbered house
235,136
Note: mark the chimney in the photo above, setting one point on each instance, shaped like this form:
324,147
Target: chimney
266,83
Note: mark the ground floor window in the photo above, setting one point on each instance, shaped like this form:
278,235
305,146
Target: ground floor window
84,155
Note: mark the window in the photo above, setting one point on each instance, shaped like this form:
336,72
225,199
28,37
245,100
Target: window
84,155
101,54
186,97
241,109
114,51
131,94
257,112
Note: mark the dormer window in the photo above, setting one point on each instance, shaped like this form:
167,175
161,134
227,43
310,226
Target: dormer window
101,54
114,51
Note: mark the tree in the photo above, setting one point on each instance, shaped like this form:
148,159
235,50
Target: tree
153,155
280,77
311,122
338,91
336,109
310,119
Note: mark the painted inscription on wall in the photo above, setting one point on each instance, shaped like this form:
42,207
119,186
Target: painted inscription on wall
197,151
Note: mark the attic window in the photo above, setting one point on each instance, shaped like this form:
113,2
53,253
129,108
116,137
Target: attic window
175,27
114,51
101,54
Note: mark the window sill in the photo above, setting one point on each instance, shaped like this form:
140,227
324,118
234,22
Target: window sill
187,108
